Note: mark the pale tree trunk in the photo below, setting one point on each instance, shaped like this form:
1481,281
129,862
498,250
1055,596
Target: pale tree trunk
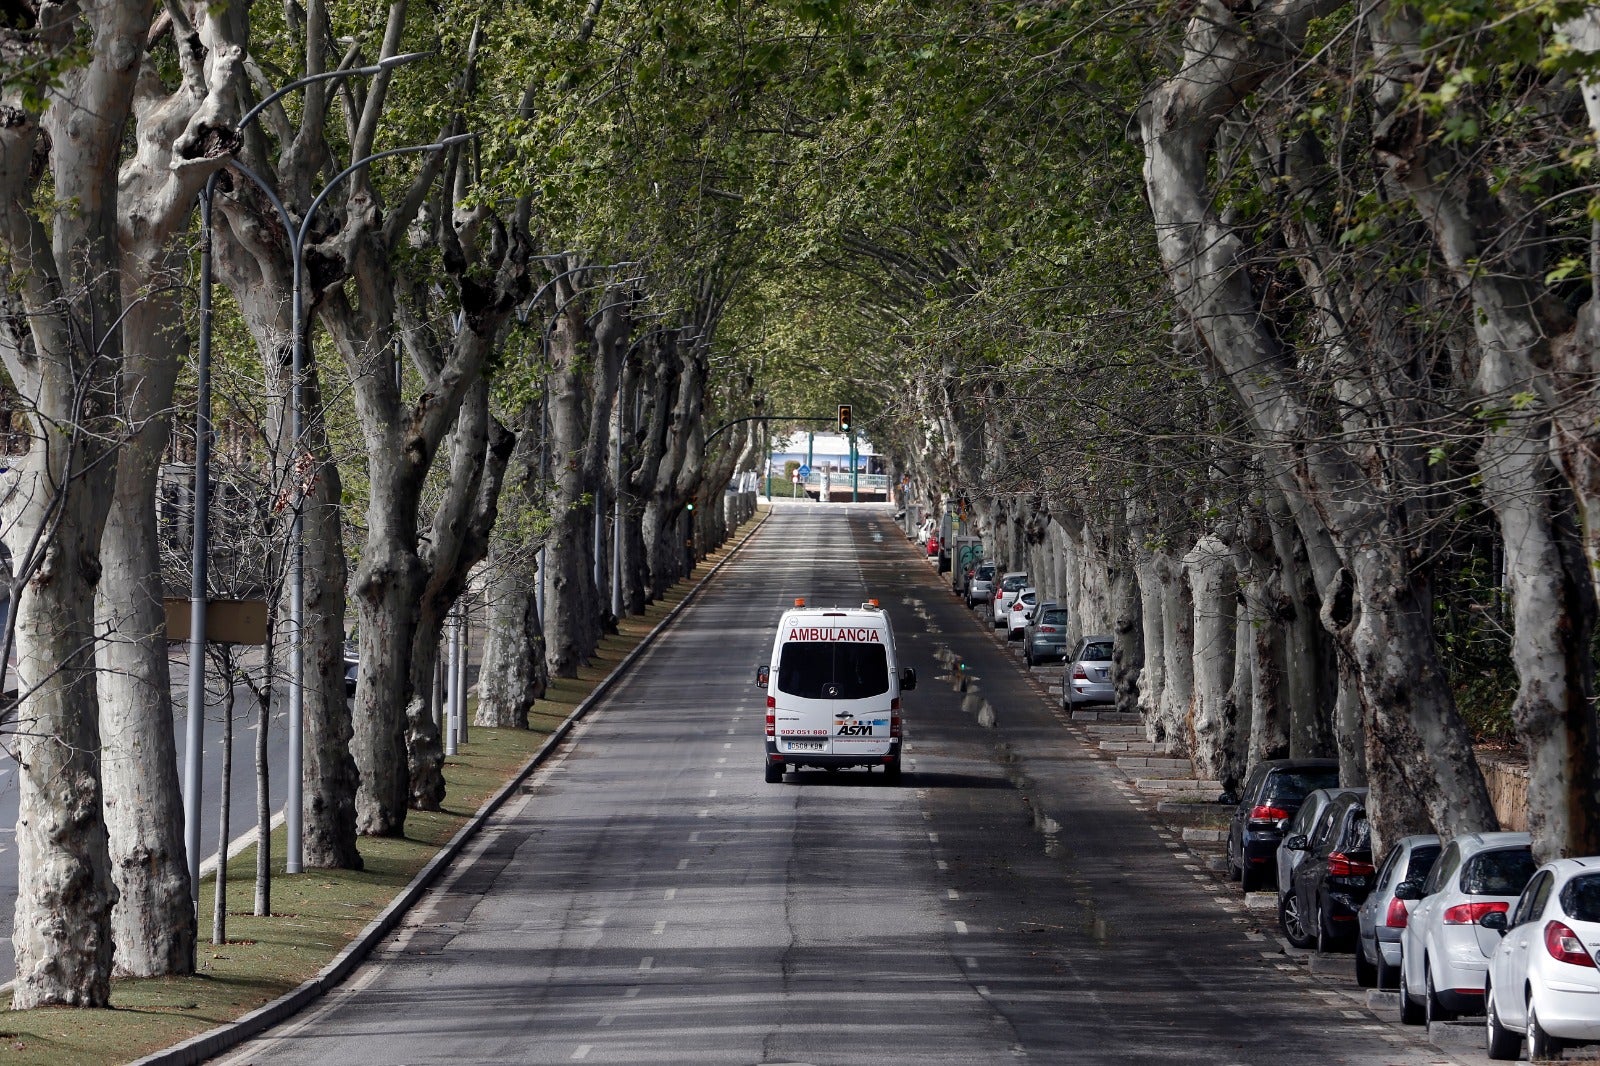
1409,712
1173,721
1265,619
61,271
1553,612
480,449
572,616
1213,583
252,263
1520,330
1152,680
1128,647
153,923
512,675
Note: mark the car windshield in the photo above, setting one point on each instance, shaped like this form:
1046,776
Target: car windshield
1012,584
833,669
1581,898
1503,872
1291,786
1056,616
1096,651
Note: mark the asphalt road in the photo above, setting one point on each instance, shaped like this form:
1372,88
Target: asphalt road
648,899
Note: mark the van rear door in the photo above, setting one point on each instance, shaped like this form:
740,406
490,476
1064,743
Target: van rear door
832,696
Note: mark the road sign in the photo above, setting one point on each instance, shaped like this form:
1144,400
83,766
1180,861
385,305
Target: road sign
804,471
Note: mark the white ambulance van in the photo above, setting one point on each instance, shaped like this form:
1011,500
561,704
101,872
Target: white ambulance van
833,691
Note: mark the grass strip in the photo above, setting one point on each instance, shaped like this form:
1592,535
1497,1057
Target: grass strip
315,914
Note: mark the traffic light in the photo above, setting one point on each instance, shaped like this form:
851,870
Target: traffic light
691,503
845,421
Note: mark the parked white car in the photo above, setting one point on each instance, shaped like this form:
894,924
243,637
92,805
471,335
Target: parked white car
1004,592
1543,983
1444,952
1019,612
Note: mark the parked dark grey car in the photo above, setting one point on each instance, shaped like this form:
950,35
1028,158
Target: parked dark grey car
1045,639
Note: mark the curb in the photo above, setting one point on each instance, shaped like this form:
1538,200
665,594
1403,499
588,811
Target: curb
213,1042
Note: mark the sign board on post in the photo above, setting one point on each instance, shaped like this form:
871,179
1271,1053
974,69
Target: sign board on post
227,621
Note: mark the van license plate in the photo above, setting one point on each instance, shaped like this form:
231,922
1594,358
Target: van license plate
807,745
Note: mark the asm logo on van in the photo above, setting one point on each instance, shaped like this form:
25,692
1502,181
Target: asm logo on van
866,727
861,634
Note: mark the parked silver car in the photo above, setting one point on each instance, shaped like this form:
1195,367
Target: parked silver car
1005,591
1444,953
981,588
1382,918
1087,675
1045,639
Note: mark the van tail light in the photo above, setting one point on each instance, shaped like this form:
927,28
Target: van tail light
1397,915
772,717
1080,674
1469,913
1342,865
894,717
1262,812
1564,946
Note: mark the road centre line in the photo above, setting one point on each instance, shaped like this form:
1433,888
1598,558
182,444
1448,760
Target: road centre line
583,1051
683,864
961,927
647,962
671,893
661,927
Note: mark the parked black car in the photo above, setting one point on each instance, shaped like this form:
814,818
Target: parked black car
1271,795
1333,880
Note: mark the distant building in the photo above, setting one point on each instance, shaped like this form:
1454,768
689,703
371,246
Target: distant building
828,455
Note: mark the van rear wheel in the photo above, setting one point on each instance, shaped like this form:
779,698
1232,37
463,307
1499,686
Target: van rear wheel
775,772
891,772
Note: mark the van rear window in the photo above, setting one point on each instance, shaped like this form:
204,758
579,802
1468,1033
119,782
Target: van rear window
833,670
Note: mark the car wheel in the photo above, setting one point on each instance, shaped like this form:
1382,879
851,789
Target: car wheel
1435,1011
774,772
1503,1044
1292,921
1411,1012
1251,879
891,772
1541,1045
1235,873
1366,972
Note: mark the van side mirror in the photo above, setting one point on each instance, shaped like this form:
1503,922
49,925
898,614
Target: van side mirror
908,679
1408,890
1295,843
763,675
1495,920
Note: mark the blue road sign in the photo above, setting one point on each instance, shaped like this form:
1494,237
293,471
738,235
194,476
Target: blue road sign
804,471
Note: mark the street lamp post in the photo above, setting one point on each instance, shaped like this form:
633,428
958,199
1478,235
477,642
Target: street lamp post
193,755
194,727
293,806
